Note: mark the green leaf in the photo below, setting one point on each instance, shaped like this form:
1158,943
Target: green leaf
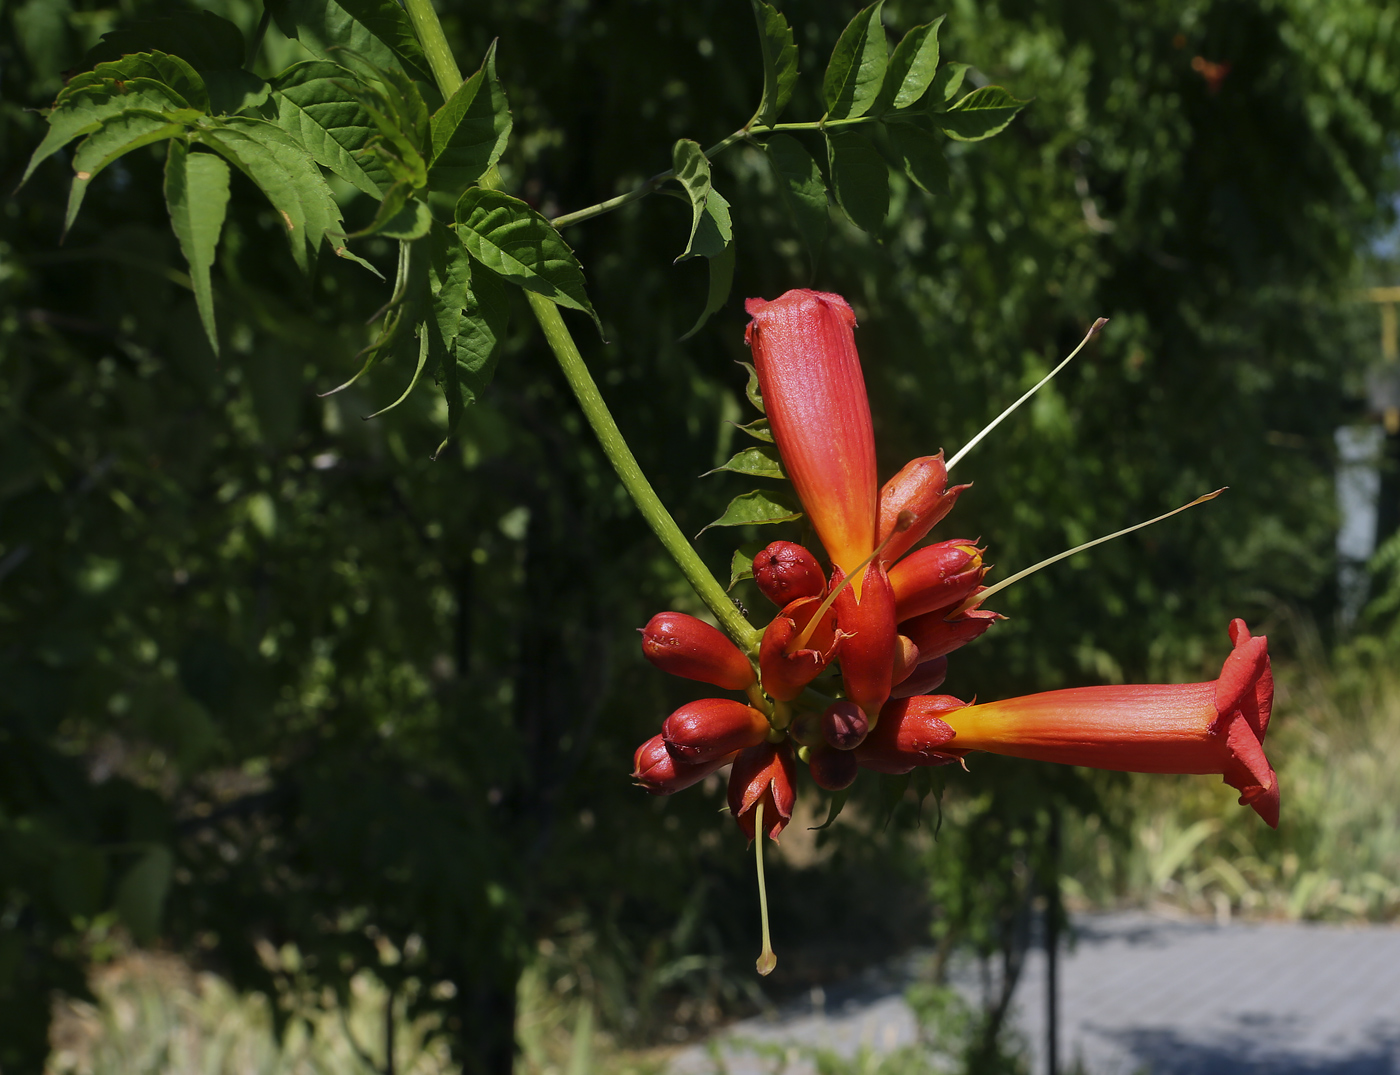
803,190
946,84
779,62
981,114
740,568
235,91
860,178
857,67
378,30
472,309
755,462
424,337
470,131
838,803
410,220
758,429
758,509
160,68
692,170
316,108
912,68
206,41
84,110
196,193
923,158
278,164
141,894
112,139
721,281
752,390
510,238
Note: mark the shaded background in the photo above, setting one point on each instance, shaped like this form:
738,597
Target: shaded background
271,676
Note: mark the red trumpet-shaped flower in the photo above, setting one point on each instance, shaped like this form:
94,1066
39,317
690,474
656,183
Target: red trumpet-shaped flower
1215,727
763,774
712,728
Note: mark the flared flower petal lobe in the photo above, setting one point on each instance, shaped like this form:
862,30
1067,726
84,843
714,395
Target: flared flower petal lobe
764,774
937,576
1153,728
870,638
683,646
814,392
920,488
785,572
786,667
943,630
657,771
709,728
912,732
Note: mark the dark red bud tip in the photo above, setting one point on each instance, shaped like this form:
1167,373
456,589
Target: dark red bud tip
660,773
834,769
681,645
845,725
785,572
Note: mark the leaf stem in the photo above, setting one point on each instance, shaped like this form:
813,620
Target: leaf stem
428,30
615,447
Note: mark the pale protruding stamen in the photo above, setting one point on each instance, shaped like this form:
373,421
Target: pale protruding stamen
976,599
1093,331
766,959
903,521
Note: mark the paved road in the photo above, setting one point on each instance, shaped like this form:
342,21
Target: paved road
1141,993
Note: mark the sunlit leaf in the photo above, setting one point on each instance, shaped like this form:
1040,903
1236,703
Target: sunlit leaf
857,68
378,30
758,429
758,509
779,62
981,114
740,568
752,390
196,194
314,105
912,68
158,67
946,84
860,178
510,238
470,131
114,138
755,462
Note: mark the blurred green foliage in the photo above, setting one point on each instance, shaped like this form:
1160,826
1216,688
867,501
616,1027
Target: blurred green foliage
272,675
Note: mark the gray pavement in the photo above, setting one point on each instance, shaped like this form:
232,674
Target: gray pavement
1140,993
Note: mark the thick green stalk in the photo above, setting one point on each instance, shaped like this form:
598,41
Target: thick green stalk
615,447
429,32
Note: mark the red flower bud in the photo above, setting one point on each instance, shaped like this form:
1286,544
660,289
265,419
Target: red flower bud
833,769
764,774
785,572
709,728
925,679
844,725
656,769
683,646
910,732
867,650
935,577
784,673
906,659
945,629
920,489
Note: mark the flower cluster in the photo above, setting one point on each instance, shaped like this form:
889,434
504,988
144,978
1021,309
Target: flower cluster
843,674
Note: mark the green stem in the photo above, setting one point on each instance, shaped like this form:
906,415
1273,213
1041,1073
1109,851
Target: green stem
429,32
615,447
766,959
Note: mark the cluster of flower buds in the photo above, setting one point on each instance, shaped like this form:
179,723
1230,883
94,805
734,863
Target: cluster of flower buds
841,677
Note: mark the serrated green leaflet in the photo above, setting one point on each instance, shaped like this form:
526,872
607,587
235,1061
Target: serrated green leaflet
946,84
981,114
803,191
196,195
473,351
721,268
692,170
740,568
206,41
758,429
755,462
314,105
83,111
290,180
857,68
378,30
510,238
114,138
923,158
411,220
470,131
751,389
779,62
911,69
162,69
758,509
860,178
